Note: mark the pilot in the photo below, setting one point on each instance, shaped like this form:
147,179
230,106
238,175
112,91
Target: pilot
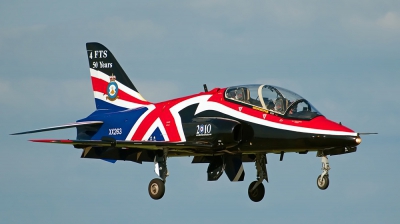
236,94
239,95
270,105
279,105
292,110
232,94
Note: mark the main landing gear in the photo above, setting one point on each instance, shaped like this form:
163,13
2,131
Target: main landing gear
256,189
157,186
323,179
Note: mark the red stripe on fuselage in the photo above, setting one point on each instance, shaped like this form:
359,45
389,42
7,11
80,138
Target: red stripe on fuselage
320,122
146,124
162,111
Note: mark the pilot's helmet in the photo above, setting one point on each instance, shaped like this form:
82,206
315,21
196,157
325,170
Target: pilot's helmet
279,104
270,105
232,94
239,94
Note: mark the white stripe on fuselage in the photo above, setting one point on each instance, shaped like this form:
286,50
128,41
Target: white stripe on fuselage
150,108
175,113
157,124
178,107
204,106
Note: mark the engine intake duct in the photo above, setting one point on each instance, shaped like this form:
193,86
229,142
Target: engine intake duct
220,132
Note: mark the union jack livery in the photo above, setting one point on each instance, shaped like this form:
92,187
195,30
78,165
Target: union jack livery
223,127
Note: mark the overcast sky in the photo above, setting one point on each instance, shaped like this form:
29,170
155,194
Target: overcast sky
343,56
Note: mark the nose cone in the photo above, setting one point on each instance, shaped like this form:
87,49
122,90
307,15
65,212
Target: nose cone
347,141
337,135
331,127
358,140
331,141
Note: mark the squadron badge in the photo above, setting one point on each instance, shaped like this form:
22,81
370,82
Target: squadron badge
112,89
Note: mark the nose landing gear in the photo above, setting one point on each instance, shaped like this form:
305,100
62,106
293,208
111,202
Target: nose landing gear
323,179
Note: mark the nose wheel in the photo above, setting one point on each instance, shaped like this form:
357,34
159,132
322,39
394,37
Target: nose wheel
323,182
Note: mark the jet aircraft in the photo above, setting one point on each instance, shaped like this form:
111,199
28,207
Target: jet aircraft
223,127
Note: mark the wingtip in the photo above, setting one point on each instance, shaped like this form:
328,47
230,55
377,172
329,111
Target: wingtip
18,133
52,140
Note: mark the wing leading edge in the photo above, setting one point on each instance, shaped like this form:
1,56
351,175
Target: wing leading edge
150,145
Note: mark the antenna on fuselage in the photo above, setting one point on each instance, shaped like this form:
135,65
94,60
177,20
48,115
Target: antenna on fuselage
205,88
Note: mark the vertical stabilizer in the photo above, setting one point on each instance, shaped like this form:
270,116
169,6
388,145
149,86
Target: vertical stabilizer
111,86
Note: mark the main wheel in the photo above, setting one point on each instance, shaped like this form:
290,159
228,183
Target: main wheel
258,193
156,188
323,183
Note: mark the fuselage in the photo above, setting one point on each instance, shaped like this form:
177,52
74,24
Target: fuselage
228,124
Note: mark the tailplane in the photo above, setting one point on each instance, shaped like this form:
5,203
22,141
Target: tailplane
111,86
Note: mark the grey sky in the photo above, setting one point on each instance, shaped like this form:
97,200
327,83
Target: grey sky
343,56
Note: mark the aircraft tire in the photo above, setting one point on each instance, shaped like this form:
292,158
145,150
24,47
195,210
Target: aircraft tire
156,189
258,193
324,183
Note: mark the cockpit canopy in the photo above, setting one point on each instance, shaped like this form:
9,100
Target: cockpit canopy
272,98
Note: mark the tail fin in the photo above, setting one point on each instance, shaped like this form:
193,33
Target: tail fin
111,86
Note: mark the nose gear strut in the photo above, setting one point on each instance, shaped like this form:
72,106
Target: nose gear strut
323,179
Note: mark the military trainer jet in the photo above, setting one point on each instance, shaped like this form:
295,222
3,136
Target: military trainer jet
223,127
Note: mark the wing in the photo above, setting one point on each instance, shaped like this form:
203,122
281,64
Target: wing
71,125
149,145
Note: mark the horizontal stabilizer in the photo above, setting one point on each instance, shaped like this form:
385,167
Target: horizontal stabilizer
71,125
